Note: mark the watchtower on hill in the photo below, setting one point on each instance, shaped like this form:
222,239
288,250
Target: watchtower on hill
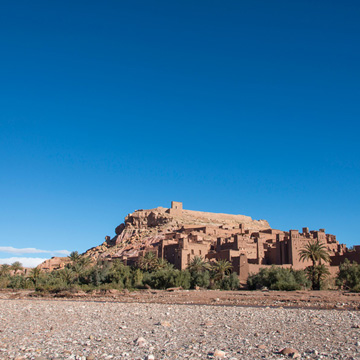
176,208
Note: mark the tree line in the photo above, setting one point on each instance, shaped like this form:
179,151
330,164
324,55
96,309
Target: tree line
149,272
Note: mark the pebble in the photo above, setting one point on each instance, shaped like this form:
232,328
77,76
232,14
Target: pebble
290,352
219,354
165,324
140,341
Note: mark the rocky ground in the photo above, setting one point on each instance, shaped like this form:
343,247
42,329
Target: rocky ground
90,329
294,299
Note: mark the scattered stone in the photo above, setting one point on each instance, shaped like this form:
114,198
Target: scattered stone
219,354
165,324
199,329
208,323
141,341
290,352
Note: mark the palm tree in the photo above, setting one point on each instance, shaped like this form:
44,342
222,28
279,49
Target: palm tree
5,270
221,268
198,264
316,252
162,264
85,261
74,256
318,274
78,269
34,275
67,275
148,262
16,266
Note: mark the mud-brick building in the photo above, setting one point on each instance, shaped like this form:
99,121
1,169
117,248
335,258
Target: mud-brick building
178,235
247,250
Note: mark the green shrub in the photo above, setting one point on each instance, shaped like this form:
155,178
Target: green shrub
99,274
349,276
200,278
4,282
277,278
18,282
230,282
51,284
163,279
137,278
119,274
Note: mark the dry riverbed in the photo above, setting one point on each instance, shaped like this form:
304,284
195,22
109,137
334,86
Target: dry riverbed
109,329
294,299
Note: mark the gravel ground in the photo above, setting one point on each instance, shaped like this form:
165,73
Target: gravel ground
45,329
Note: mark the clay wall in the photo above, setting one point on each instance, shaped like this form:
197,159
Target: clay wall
270,253
181,253
352,256
170,253
189,228
225,254
271,231
240,265
192,250
55,263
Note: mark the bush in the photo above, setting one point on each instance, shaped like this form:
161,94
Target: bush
137,278
4,281
120,274
18,282
163,279
99,274
51,282
230,282
277,278
349,276
200,278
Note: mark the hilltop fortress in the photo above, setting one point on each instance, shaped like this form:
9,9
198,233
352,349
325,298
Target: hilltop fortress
179,235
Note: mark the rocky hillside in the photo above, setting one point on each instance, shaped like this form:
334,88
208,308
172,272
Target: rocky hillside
145,228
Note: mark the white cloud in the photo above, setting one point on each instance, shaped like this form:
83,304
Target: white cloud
25,261
21,251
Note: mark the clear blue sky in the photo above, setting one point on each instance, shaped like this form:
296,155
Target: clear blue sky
246,107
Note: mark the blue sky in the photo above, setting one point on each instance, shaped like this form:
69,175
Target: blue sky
245,107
